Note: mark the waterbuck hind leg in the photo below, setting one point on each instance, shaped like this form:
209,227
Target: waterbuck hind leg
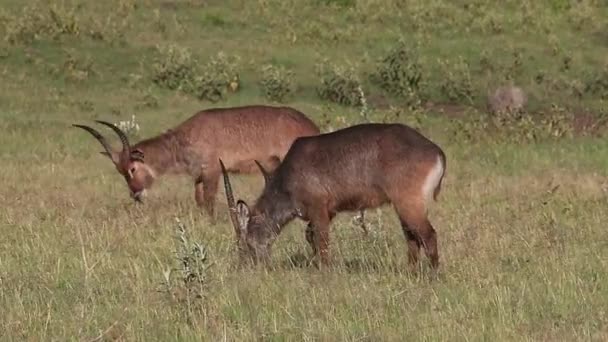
413,246
429,241
419,233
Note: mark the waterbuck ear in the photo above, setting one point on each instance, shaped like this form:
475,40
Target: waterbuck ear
242,214
137,155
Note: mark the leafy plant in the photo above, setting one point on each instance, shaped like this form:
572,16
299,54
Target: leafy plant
339,84
456,83
219,76
174,68
191,269
277,82
38,21
399,72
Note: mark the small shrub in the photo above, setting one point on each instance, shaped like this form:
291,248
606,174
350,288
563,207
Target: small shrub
219,76
516,125
339,84
277,82
192,268
39,21
456,83
399,73
522,126
174,68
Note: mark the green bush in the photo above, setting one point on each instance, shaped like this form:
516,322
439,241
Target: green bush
39,20
456,84
277,82
174,68
399,72
339,84
219,76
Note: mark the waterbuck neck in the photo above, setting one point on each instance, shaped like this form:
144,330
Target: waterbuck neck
163,153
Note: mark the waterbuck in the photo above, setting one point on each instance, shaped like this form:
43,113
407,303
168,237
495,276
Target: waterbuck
355,168
240,136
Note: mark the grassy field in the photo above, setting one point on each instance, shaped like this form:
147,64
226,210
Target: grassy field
520,219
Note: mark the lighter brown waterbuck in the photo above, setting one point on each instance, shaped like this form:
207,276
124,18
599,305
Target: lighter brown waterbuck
355,168
240,136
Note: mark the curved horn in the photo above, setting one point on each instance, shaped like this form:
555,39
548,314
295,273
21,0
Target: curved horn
265,173
230,200
126,147
99,138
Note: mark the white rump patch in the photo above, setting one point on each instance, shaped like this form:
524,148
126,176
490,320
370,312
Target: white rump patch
432,180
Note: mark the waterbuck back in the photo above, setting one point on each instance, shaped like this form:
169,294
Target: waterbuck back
355,168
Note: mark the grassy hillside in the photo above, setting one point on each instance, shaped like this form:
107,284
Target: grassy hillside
520,218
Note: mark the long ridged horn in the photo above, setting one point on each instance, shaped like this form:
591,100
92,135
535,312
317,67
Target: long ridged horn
126,146
230,200
99,138
265,173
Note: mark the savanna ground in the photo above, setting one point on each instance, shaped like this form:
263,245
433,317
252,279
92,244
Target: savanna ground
520,219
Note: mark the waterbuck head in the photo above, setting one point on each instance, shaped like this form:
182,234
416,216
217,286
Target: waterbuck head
257,227
129,161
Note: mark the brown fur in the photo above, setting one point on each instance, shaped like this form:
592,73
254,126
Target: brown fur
359,167
238,135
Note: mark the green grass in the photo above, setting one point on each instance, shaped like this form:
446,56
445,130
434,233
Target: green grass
78,260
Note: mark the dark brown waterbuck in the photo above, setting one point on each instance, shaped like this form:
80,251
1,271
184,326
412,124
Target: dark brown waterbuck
240,136
355,168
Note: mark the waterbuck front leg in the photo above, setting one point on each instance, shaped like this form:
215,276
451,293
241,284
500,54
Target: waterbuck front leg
206,187
199,191
310,238
317,234
360,219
